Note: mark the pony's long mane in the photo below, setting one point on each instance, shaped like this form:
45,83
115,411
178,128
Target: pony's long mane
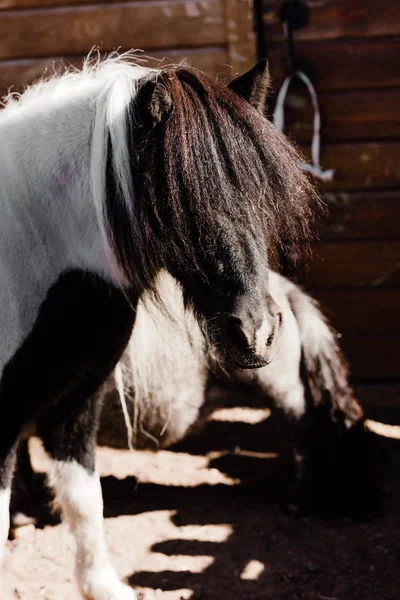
214,157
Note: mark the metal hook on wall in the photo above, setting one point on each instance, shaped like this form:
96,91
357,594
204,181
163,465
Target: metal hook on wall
294,15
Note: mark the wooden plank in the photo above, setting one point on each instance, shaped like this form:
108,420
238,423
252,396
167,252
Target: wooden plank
342,64
18,4
333,19
239,18
381,396
155,24
362,165
212,60
362,215
362,311
347,115
354,264
373,357
16,74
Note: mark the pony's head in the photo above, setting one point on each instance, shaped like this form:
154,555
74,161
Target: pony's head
215,185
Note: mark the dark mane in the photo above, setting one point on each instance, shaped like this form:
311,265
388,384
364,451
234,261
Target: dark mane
213,157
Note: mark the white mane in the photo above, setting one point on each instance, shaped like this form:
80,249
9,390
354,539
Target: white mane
95,71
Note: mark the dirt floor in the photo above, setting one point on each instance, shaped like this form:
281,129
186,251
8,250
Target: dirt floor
203,522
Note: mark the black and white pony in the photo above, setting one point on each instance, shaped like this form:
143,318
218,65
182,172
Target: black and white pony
108,175
169,381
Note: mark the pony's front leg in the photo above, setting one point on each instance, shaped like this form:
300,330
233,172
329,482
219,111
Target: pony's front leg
70,441
78,493
7,465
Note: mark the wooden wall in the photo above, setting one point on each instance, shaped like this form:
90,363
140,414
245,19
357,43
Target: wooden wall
355,48
35,35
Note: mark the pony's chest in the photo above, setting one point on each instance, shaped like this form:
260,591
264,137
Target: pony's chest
81,327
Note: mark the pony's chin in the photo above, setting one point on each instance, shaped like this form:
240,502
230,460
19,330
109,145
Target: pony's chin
236,360
230,358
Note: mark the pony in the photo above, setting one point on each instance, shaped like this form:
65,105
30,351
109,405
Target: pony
169,381
110,174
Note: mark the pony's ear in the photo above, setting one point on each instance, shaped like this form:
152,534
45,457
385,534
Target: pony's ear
253,85
154,103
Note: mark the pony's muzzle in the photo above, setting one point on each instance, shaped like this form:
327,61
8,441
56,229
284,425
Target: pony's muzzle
252,342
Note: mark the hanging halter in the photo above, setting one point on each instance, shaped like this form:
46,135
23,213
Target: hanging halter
294,15
279,121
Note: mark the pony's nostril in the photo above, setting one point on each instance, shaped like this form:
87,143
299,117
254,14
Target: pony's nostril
278,323
235,332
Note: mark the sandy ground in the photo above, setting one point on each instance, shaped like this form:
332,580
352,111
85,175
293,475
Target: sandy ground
203,522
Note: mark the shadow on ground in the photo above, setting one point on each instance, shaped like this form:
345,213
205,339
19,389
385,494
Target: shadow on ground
268,554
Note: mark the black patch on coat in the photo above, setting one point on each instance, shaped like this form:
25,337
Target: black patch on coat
79,335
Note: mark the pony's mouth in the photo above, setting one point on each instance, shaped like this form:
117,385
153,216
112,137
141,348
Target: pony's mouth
234,358
243,361
256,364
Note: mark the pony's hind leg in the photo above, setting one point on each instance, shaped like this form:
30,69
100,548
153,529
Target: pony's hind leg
334,455
331,452
309,381
24,497
69,438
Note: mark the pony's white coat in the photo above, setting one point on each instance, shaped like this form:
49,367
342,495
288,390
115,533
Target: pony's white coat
53,147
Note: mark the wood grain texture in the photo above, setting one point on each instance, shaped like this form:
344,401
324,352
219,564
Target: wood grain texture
373,311
241,39
381,396
334,19
155,24
362,165
16,74
354,264
348,115
373,357
362,215
21,4
342,65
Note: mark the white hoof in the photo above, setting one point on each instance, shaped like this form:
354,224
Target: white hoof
105,586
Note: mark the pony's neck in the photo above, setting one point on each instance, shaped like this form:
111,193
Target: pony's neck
44,167
47,151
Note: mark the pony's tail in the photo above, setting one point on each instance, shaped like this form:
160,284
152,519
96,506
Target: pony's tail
325,370
332,440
